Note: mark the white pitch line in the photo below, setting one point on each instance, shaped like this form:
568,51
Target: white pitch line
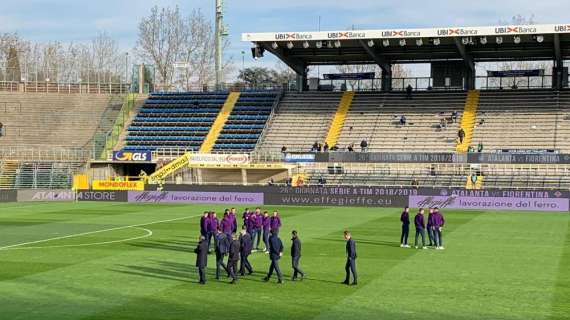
148,234
97,231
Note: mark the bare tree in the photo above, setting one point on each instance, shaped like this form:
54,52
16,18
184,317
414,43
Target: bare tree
398,72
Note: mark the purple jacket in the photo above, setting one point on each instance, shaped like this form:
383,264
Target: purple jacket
258,221
204,221
233,221
405,218
266,223
249,224
430,220
275,223
419,221
212,225
245,216
226,225
438,220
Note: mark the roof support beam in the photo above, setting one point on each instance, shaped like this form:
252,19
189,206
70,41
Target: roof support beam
557,51
379,60
464,54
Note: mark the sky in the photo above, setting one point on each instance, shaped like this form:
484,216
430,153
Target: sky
79,21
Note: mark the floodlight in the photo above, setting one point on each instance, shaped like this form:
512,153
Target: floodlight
337,44
402,42
517,39
483,40
499,40
274,45
465,41
371,43
319,44
386,43
436,42
289,45
306,44
419,42
540,38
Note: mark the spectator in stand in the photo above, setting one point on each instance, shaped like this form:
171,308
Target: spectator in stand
283,149
442,123
461,135
363,146
454,116
1,129
315,146
334,148
271,182
319,147
409,90
289,181
326,147
350,148
403,120
480,147
415,183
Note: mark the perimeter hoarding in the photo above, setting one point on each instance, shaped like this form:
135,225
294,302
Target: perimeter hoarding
250,198
8,196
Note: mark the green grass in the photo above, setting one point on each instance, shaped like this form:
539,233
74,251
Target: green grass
495,266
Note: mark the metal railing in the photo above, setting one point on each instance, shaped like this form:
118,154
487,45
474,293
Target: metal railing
65,87
39,153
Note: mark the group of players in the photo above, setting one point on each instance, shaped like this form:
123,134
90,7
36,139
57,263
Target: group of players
239,246
435,223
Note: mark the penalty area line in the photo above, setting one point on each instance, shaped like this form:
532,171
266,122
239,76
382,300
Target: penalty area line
96,231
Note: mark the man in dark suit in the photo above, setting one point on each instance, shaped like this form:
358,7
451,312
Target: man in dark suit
350,259
275,253
246,245
296,256
202,258
222,243
233,258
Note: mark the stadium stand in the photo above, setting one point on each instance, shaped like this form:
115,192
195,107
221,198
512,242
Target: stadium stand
45,175
33,119
178,120
246,122
300,120
523,120
375,117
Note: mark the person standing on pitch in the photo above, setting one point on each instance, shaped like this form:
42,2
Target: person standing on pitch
233,220
222,247
246,245
204,221
202,258
296,256
405,219
226,225
258,226
275,222
350,259
266,230
420,226
438,222
212,228
430,228
233,258
275,253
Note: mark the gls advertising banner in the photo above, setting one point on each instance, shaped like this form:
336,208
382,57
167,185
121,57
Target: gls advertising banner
132,156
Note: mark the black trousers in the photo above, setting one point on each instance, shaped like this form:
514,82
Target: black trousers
232,269
258,233
296,269
350,267
245,264
275,267
209,237
220,263
202,274
405,233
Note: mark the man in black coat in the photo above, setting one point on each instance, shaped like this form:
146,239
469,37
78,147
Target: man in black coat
275,253
350,259
222,247
296,256
246,245
202,258
233,258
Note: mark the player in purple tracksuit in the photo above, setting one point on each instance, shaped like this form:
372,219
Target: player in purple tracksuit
250,225
226,225
203,224
233,219
405,219
430,228
438,223
245,215
275,222
212,227
266,230
258,225
420,229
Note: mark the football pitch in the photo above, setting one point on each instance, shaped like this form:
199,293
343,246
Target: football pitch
123,261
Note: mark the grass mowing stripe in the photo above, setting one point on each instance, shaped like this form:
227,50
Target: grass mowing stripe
561,299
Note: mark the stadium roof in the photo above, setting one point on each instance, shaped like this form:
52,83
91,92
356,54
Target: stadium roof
384,47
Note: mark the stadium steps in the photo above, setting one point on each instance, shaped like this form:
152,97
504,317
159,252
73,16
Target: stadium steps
131,107
219,123
339,118
468,119
8,171
469,185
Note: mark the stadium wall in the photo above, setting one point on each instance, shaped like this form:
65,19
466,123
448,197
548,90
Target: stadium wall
354,196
